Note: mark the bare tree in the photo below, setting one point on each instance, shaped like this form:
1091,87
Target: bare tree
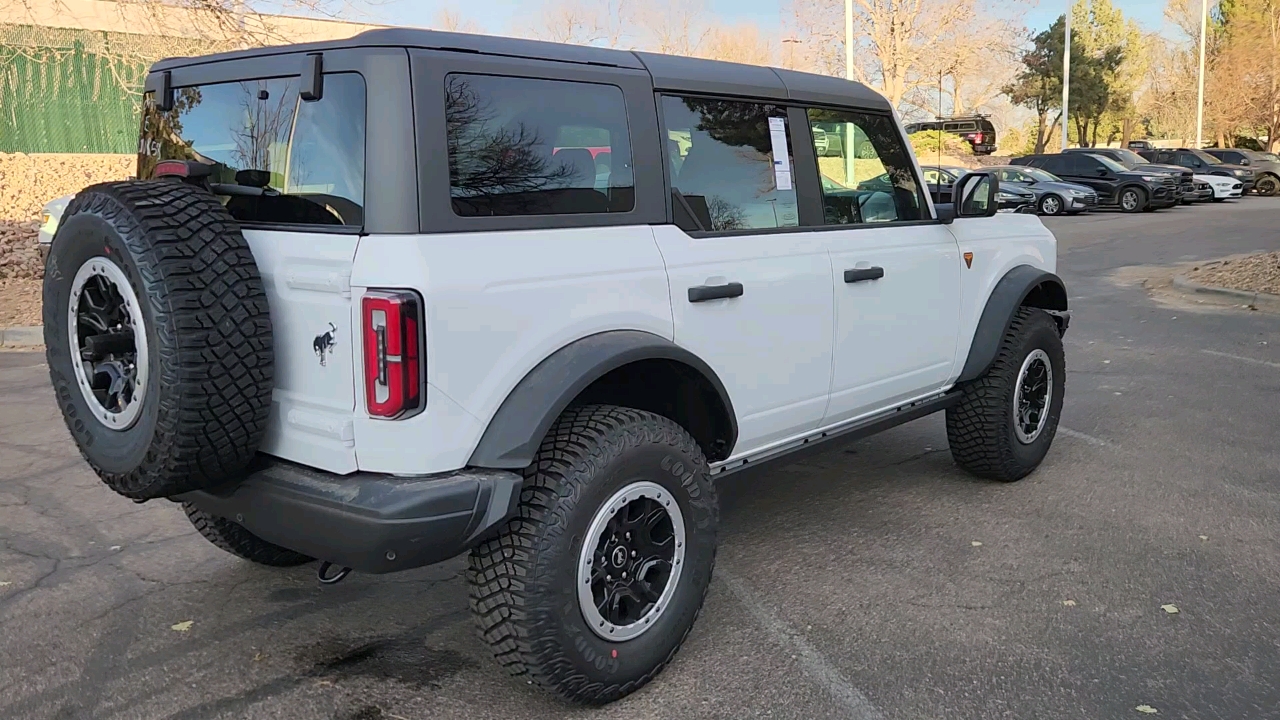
902,45
454,21
743,43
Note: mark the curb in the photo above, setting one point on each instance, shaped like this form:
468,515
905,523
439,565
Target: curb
1254,299
22,336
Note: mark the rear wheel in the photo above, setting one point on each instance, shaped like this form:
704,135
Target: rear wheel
1050,205
591,589
1132,200
1006,420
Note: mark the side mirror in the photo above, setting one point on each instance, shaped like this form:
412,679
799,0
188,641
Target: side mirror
946,212
1102,172
975,195
1244,161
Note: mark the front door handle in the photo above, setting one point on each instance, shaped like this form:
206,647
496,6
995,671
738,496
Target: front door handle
860,274
703,293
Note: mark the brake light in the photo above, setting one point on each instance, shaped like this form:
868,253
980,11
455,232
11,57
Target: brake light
393,353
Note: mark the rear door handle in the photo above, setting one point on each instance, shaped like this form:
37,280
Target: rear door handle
860,274
703,293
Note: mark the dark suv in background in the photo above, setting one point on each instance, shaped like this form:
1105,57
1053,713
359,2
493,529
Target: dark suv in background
1265,167
976,129
1133,161
1116,185
1200,162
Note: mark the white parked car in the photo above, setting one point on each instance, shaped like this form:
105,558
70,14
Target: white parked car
49,218
1224,187
423,324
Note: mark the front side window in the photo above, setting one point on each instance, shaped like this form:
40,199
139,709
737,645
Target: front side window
522,146
276,159
870,179
729,164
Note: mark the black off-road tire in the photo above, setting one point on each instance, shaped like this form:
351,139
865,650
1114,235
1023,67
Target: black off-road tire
204,309
523,581
1268,186
980,428
238,541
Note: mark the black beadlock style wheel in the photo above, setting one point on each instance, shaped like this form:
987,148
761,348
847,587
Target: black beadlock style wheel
591,588
1006,420
158,337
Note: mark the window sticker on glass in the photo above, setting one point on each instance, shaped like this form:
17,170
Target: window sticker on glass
781,160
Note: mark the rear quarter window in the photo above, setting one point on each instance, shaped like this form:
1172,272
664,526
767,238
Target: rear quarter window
276,159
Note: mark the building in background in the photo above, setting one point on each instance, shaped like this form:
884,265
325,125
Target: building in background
71,71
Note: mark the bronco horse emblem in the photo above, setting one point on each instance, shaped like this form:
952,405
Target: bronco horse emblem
323,344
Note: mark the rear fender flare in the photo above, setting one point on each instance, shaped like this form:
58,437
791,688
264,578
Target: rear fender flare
516,430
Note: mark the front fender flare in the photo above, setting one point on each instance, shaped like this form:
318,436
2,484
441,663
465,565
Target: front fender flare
1023,285
516,430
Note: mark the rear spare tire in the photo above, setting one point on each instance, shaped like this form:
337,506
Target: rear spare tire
158,337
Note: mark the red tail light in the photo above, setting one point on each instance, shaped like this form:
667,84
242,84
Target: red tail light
393,353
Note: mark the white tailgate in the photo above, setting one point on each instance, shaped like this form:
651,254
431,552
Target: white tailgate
308,279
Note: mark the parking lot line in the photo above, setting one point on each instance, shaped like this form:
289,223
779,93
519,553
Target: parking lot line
1249,360
815,665
1082,436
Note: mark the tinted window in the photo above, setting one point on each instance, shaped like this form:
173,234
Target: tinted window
275,157
871,178
959,126
729,164
1060,164
519,146
1189,160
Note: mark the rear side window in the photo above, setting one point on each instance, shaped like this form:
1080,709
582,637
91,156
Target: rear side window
729,164
520,146
276,158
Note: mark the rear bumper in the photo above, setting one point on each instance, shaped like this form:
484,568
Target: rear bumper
367,522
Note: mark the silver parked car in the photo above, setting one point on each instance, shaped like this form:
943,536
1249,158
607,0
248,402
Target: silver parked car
1054,196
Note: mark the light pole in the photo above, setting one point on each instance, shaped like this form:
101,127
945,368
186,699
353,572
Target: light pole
1066,75
849,39
850,134
1204,21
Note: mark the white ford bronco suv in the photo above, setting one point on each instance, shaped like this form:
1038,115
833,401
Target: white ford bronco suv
382,301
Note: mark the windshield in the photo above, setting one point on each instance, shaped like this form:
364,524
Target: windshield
1039,174
1206,157
1110,164
1129,157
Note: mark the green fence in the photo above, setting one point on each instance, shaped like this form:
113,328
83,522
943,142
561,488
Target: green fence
75,91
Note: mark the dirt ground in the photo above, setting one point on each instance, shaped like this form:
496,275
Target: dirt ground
1255,273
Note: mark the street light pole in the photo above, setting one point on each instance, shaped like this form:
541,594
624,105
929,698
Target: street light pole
848,39
1066,75
1204,21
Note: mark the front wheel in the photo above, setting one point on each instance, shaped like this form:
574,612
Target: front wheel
1132,200
591,588
1268,186
1006,420
1050,205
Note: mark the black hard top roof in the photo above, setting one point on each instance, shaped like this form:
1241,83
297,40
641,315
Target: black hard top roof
669,72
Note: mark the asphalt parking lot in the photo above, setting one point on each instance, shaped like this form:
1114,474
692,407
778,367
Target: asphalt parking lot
874,580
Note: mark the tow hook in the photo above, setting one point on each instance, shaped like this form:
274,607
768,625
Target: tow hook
326,579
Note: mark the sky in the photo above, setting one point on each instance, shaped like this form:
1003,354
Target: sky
498,15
